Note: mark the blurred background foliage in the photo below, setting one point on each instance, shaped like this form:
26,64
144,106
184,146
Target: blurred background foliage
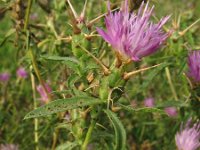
50,28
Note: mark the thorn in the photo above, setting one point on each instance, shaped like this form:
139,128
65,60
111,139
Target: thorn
188,28
89,24
126,75
82,16
72,9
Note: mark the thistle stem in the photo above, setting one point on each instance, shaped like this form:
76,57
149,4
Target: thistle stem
34,63
36,138
88,135
55,138
28,10
27,47
170,83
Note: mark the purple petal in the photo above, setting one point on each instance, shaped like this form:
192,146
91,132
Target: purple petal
104,35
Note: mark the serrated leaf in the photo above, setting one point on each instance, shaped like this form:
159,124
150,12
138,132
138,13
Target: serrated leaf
102,134
92,66
67,146
62,105
120,133
71,62
143,109
59,58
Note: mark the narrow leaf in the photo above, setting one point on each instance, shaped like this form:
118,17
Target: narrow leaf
172,103
67,146
120,133
71,62
59,58
144,109
62,105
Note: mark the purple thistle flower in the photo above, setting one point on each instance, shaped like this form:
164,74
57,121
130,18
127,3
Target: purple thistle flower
21,73
4,77
44,95
194,65
171,111
149,102
133,35
188,138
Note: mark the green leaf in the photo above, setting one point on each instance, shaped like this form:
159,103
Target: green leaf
67,146
71,81
120,133
152,74
172,103
71,62
78,40
144,109
59,58
8,34
62,105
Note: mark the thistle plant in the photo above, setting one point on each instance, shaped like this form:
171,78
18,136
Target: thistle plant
97,91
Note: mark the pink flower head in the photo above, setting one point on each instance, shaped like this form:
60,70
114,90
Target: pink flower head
43,93
34,16
149,102
194,65
21,73
133,35
67,117
171,111
188,138
8,147
4,77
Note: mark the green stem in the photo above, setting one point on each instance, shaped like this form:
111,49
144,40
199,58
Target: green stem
88,135
36,138
55,138
28,48
171,83
35,67
28,10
